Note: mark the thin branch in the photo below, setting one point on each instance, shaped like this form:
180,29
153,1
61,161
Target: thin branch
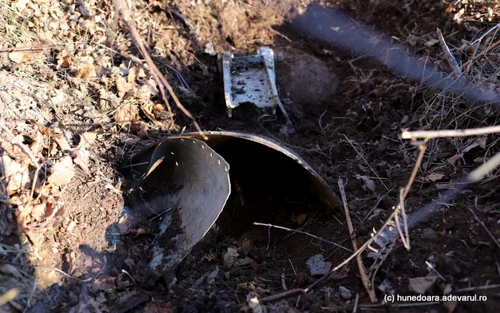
422,147
424,134
486,229
480,55
362,270
485,34
303,233
342,264
424,213
126,15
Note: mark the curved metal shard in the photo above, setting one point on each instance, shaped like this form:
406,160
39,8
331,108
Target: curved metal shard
187,182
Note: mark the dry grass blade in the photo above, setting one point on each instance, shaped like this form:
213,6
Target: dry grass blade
122,9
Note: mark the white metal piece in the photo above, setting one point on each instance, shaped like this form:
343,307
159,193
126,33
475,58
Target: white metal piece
251,79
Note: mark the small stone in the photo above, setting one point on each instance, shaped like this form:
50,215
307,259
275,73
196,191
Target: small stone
429,233
345,293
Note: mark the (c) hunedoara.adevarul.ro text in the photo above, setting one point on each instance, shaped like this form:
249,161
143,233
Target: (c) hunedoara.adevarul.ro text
426,298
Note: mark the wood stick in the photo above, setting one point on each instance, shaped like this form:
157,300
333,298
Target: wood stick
126,15
362,270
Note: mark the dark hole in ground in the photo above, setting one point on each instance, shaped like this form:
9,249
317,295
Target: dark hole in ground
269,186
266,186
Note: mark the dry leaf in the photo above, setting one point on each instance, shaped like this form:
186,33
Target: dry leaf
62,143
45,210
64,59
146,109
301,218
431,43
473,143
318,266
123,86
132,75
142,130
144,92
22,56
454,160
62,172
87,139
81,157
16,175
57,135
141,73
152,85
420,285
86,70
368,183
247,286
434,176
15,152
127,113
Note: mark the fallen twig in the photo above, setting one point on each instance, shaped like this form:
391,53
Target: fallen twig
485,34
293,292
429,134
449,56
35,48
486,229
422,147
423,213
362,270
126,15
303,233
404,235
480,55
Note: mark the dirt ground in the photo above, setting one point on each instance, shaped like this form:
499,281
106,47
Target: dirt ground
77,100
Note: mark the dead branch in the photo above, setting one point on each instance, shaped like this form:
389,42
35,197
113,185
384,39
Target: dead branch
362,270
423,134
36,48
424,213
422,147
126,16
480,55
